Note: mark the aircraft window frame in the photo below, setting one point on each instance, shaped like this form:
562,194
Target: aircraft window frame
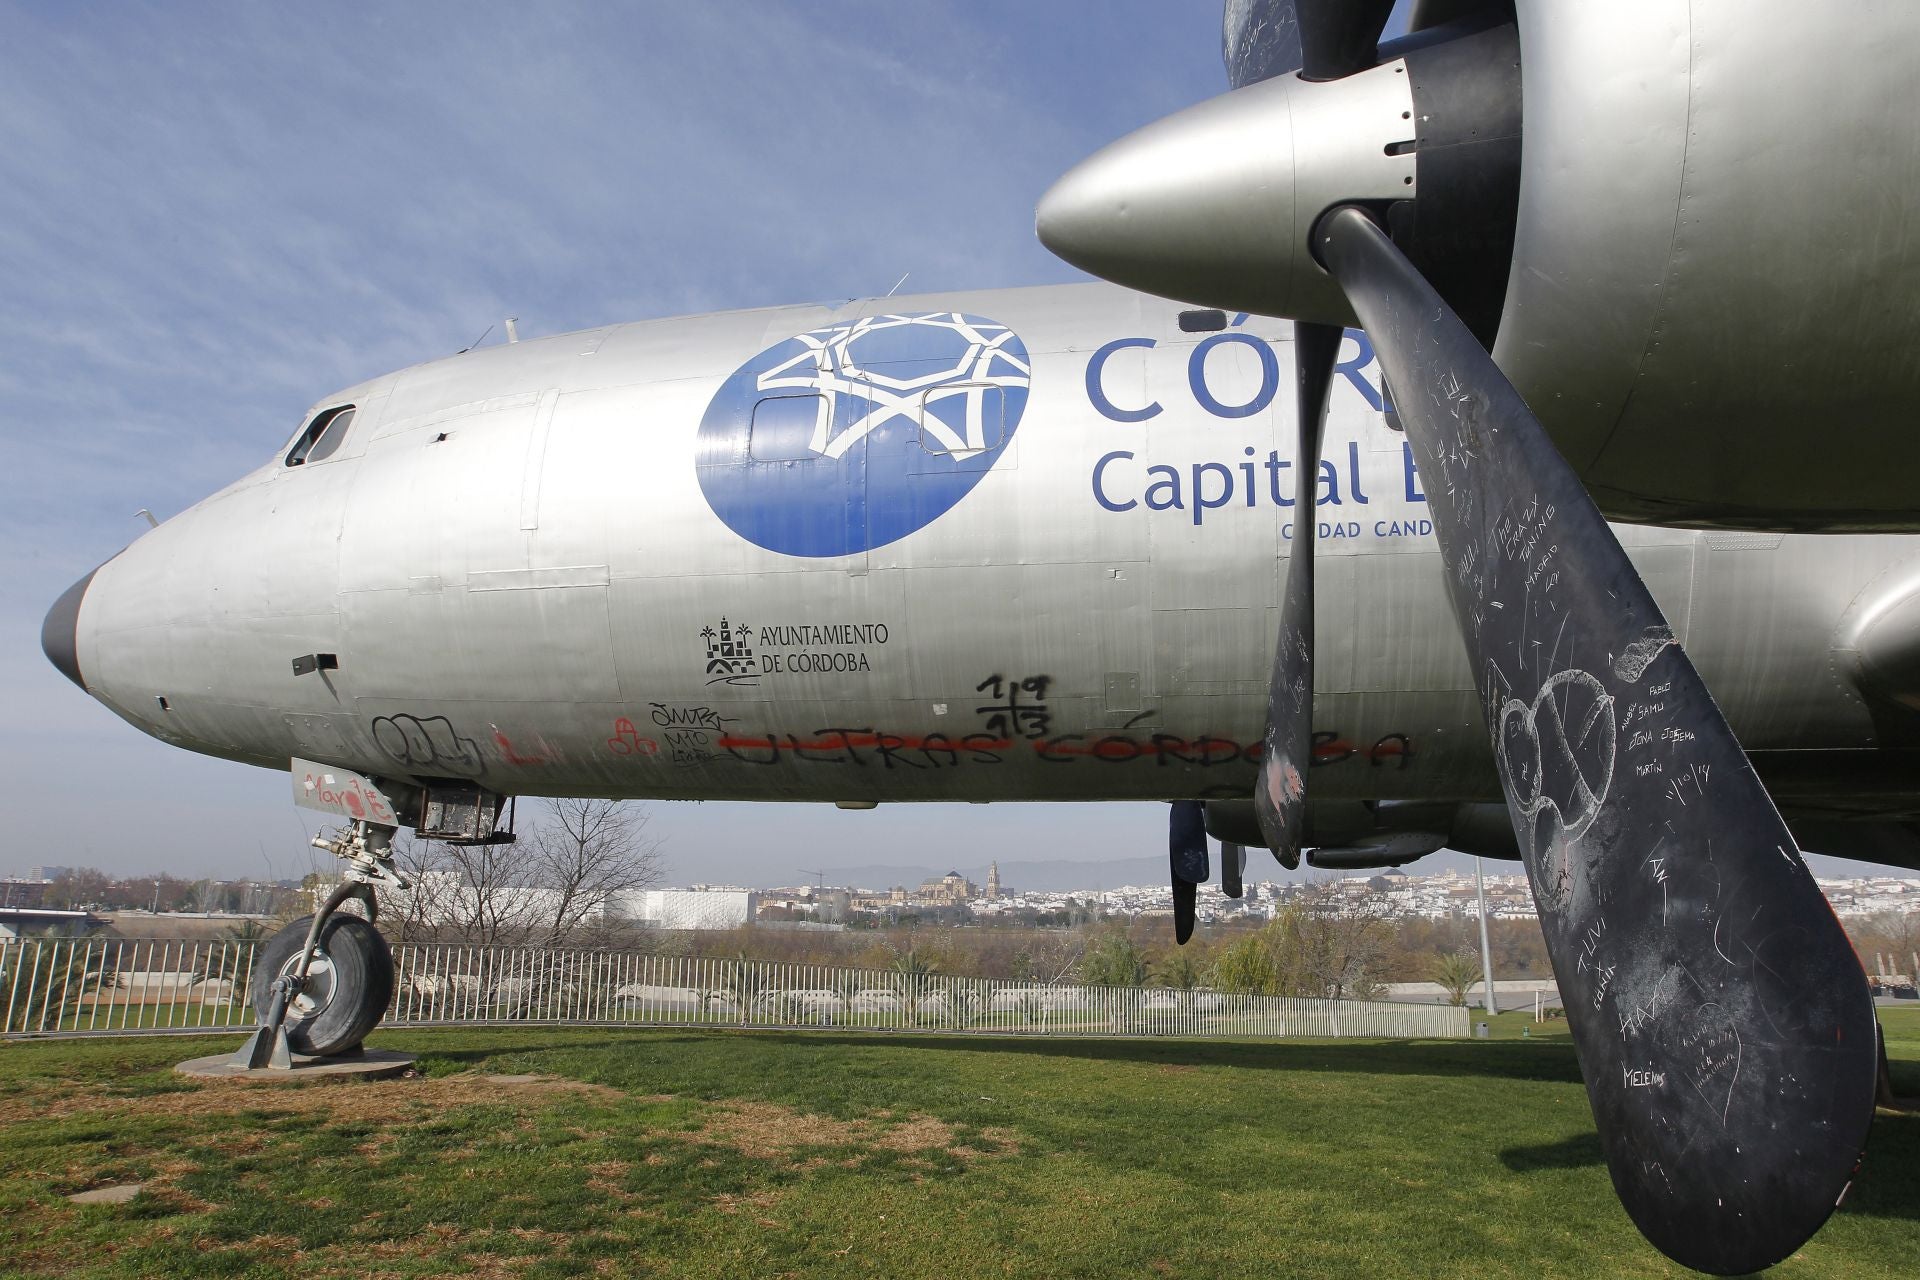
757,450
1205,320
322,437
993,428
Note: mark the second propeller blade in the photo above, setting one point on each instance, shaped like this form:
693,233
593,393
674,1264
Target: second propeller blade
1721,1017
1280,792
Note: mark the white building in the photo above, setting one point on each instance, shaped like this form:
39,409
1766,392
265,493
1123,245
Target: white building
701,907
440,898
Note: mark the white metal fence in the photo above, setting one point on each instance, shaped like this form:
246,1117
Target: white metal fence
97,985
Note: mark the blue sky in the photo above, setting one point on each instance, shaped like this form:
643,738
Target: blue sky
212,214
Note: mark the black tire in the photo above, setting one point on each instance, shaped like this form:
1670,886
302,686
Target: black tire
346,996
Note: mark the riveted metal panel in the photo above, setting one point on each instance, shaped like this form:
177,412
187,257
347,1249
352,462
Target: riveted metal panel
1714,215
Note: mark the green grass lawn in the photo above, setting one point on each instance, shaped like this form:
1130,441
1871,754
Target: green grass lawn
725,1153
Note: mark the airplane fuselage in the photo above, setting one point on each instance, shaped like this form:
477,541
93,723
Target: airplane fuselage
1018,545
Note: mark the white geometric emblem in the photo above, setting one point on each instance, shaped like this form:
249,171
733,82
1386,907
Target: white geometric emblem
829,366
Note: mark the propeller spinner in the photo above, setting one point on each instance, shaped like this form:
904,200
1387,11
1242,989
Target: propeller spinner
1721,1018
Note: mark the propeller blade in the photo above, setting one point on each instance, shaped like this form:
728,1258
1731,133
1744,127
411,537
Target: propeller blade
1185,894
1722,1020
1259,39
1233,866
1187,859
1340,37
1280,792
1321,39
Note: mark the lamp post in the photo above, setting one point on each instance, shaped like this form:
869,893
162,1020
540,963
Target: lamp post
1486,952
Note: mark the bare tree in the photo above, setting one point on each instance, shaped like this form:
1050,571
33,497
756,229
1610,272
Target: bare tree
1051,956
1893,934
467,893
77,890
586,854
550,886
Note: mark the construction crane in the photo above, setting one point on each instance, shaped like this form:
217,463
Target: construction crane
819,878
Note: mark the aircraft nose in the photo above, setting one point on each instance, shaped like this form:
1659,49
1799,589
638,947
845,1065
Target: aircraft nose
60,633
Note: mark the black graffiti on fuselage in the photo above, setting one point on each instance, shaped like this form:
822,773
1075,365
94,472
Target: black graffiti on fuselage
429,744
689,747
864,747
673,716
1012,715
1330,748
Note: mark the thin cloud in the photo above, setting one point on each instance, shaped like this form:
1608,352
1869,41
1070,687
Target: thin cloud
212,216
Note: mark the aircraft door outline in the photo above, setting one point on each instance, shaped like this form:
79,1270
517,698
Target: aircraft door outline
798,443
964,422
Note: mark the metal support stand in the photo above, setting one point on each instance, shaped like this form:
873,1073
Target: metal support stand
368,850
267,1046
1883,1077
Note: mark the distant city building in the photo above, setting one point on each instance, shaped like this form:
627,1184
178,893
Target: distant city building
48,873
950,889
442,898
806,904
701,907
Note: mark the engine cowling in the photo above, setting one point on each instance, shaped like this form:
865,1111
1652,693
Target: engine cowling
1713,242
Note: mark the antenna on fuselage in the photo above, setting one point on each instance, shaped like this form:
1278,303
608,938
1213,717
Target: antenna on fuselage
151,522
513,329
897,283
477,341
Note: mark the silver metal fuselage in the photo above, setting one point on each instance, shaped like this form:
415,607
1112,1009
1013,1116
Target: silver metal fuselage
516,560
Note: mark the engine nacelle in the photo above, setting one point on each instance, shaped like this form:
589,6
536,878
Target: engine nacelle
1715,255
1355,834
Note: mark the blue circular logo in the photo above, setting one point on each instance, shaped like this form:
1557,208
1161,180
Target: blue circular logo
854,436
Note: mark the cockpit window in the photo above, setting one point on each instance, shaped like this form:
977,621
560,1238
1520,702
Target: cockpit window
322,436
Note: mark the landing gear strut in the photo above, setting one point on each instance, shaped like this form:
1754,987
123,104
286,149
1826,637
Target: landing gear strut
323,983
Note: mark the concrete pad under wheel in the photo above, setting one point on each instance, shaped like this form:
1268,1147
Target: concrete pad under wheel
368,1064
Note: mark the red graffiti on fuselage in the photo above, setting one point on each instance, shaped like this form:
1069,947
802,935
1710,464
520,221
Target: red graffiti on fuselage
348,797
512,757
626,740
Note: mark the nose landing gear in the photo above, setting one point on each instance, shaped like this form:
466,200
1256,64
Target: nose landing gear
322,984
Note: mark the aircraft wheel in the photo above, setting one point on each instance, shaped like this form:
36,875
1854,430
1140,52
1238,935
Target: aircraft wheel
349,984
